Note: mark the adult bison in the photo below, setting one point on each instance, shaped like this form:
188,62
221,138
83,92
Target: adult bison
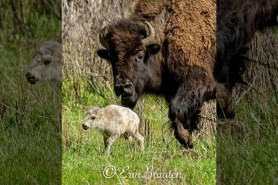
237,22
174,57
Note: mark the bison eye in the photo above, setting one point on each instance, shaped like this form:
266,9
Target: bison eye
139,56
46,62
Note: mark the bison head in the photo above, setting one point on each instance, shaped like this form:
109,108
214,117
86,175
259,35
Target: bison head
129,46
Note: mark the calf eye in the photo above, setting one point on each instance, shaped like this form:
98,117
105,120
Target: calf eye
46,62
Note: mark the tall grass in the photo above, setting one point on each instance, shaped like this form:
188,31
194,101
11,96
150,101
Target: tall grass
247,148
30,131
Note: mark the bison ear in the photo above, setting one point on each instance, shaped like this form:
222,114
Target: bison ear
103,53
154,48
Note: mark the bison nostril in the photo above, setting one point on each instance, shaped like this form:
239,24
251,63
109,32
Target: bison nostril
128,88
123,89
30,76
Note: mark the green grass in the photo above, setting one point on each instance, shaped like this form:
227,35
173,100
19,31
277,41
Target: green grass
29,130
247,152
83,151
30,150
244,150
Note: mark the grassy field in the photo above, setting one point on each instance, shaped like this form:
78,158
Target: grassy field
245,151
84,161
30,150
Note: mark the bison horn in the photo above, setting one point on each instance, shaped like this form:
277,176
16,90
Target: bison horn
102,38
150,38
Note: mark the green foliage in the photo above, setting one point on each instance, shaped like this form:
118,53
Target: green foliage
34,24
29,133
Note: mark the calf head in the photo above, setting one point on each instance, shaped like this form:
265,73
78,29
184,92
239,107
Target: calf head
92,118
129,46
46,63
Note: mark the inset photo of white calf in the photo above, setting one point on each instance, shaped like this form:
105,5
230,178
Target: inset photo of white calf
46,64
114,121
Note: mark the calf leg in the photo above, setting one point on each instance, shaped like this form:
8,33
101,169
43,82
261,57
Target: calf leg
128,137
139,138
109,141
185,107
130,140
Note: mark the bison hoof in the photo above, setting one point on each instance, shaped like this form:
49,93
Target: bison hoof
185,142
227,115
187,145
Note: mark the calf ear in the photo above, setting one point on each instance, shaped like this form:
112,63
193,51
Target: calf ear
103,53
154,48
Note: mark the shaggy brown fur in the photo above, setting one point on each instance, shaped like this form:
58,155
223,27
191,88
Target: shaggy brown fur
150,9
238,20
189,47
192,28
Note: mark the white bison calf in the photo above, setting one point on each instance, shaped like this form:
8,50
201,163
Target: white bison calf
46,63
114,121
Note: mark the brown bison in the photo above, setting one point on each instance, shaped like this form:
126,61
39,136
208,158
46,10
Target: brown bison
174,57
237,22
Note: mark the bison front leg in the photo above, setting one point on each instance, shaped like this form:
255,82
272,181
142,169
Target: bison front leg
225,106
185,108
